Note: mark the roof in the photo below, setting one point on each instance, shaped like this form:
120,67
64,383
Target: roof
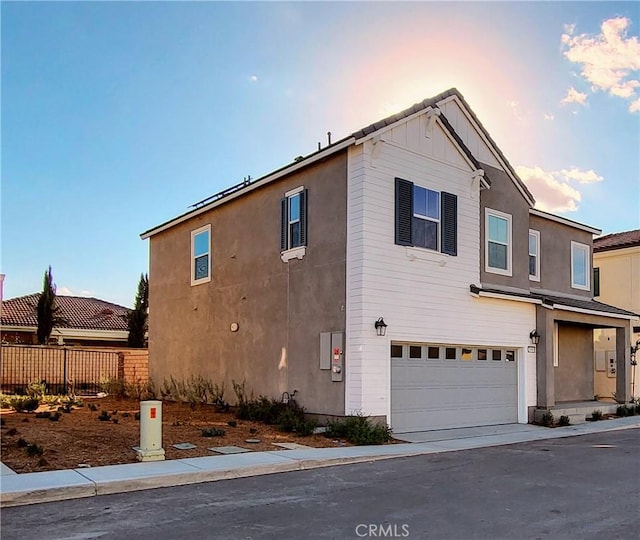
560,302
80,312
246,186
619,240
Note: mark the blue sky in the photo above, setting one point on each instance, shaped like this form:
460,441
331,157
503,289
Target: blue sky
116,116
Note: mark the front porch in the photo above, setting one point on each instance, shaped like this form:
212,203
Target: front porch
577,411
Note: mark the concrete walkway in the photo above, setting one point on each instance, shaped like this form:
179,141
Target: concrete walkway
29,488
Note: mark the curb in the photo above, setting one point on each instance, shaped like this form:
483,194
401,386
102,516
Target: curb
32,488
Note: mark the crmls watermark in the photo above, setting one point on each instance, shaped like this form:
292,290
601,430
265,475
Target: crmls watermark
379,530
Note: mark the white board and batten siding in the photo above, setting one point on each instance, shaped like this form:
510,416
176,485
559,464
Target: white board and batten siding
422,295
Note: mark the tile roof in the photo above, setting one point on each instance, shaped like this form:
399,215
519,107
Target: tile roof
559,301
80,312
617,241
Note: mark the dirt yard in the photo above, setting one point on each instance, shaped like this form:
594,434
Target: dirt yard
80,439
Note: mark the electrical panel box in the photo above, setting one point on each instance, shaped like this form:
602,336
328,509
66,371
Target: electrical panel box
611,363
337,356
601,361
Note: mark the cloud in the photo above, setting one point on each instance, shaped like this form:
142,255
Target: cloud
253,78
553,190
66,291
634,106
548,116
573,96
609,61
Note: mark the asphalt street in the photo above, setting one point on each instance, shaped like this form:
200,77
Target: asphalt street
585,487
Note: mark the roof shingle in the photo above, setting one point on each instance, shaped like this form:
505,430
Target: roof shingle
619,240
80,312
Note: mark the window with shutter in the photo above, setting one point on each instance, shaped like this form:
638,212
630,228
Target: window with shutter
425,218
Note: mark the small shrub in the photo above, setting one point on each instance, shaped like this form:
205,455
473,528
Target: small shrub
213,432
92,407
637,407
25,420
37,389
22,443
126,415
564,420
55,417
24,403
631,410
621,411
113,386
232,423
12,431
43,414
2,422
136,416
547,419
358,430
104,416
114,420
42,462
596,415
5,401
34,450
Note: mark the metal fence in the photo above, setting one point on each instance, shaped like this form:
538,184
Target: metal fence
62,369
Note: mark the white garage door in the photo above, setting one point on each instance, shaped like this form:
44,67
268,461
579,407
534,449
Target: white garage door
439,387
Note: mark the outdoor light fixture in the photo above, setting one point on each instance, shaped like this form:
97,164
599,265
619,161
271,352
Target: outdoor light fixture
380,326
534,337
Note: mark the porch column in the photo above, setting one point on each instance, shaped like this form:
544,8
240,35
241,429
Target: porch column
544,358
623,365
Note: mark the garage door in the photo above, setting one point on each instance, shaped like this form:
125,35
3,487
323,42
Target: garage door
439,387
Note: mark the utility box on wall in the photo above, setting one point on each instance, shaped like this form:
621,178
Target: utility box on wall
332,354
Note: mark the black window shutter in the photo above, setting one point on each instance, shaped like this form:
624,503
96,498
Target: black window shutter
303,218
404,211
449,225
284,224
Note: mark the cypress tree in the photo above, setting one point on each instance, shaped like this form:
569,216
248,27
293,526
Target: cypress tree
137,317
48,312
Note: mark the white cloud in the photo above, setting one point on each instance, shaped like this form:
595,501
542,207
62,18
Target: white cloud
609,61
634,106
573,96
583,177
548,116
253,78
66,291
553,190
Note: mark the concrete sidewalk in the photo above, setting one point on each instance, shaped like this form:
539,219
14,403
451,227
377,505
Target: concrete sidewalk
29,488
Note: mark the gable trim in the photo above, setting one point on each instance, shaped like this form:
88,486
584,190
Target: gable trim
564,221
493,147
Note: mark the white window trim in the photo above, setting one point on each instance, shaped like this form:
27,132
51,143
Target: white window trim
293,253
535,277
587,270
490,269
194,233
438,221
294,191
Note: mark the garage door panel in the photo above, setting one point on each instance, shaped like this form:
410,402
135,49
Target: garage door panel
452,393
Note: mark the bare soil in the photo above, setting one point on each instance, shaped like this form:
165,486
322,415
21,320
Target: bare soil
78,438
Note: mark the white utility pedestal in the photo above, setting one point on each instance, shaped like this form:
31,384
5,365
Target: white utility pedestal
150,448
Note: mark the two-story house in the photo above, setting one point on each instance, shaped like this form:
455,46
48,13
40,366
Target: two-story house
401,272
616,262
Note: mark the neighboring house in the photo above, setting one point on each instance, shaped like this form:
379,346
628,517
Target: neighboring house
616,261
89,321
418,220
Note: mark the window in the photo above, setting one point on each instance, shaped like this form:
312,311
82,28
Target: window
450,353
511,356
426,218
482,354
467,354
496,355
498,242
596,282
396,351
293,220
579,266
433,353
534,255
201,255
415,351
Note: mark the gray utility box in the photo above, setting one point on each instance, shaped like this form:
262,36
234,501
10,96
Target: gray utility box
332,354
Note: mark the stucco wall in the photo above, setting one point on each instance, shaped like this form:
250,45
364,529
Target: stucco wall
281,308
555,256
574,373
505,197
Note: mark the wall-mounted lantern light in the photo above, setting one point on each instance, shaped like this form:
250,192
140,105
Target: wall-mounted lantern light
380,326
534,337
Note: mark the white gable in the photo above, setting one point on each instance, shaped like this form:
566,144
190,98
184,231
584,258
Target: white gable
468,133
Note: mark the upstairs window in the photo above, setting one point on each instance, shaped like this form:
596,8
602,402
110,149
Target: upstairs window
596,282
201,255
534,255
425,218
580,266
498,242
293,220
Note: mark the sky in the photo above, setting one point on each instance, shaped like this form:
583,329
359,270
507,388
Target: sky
116,116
